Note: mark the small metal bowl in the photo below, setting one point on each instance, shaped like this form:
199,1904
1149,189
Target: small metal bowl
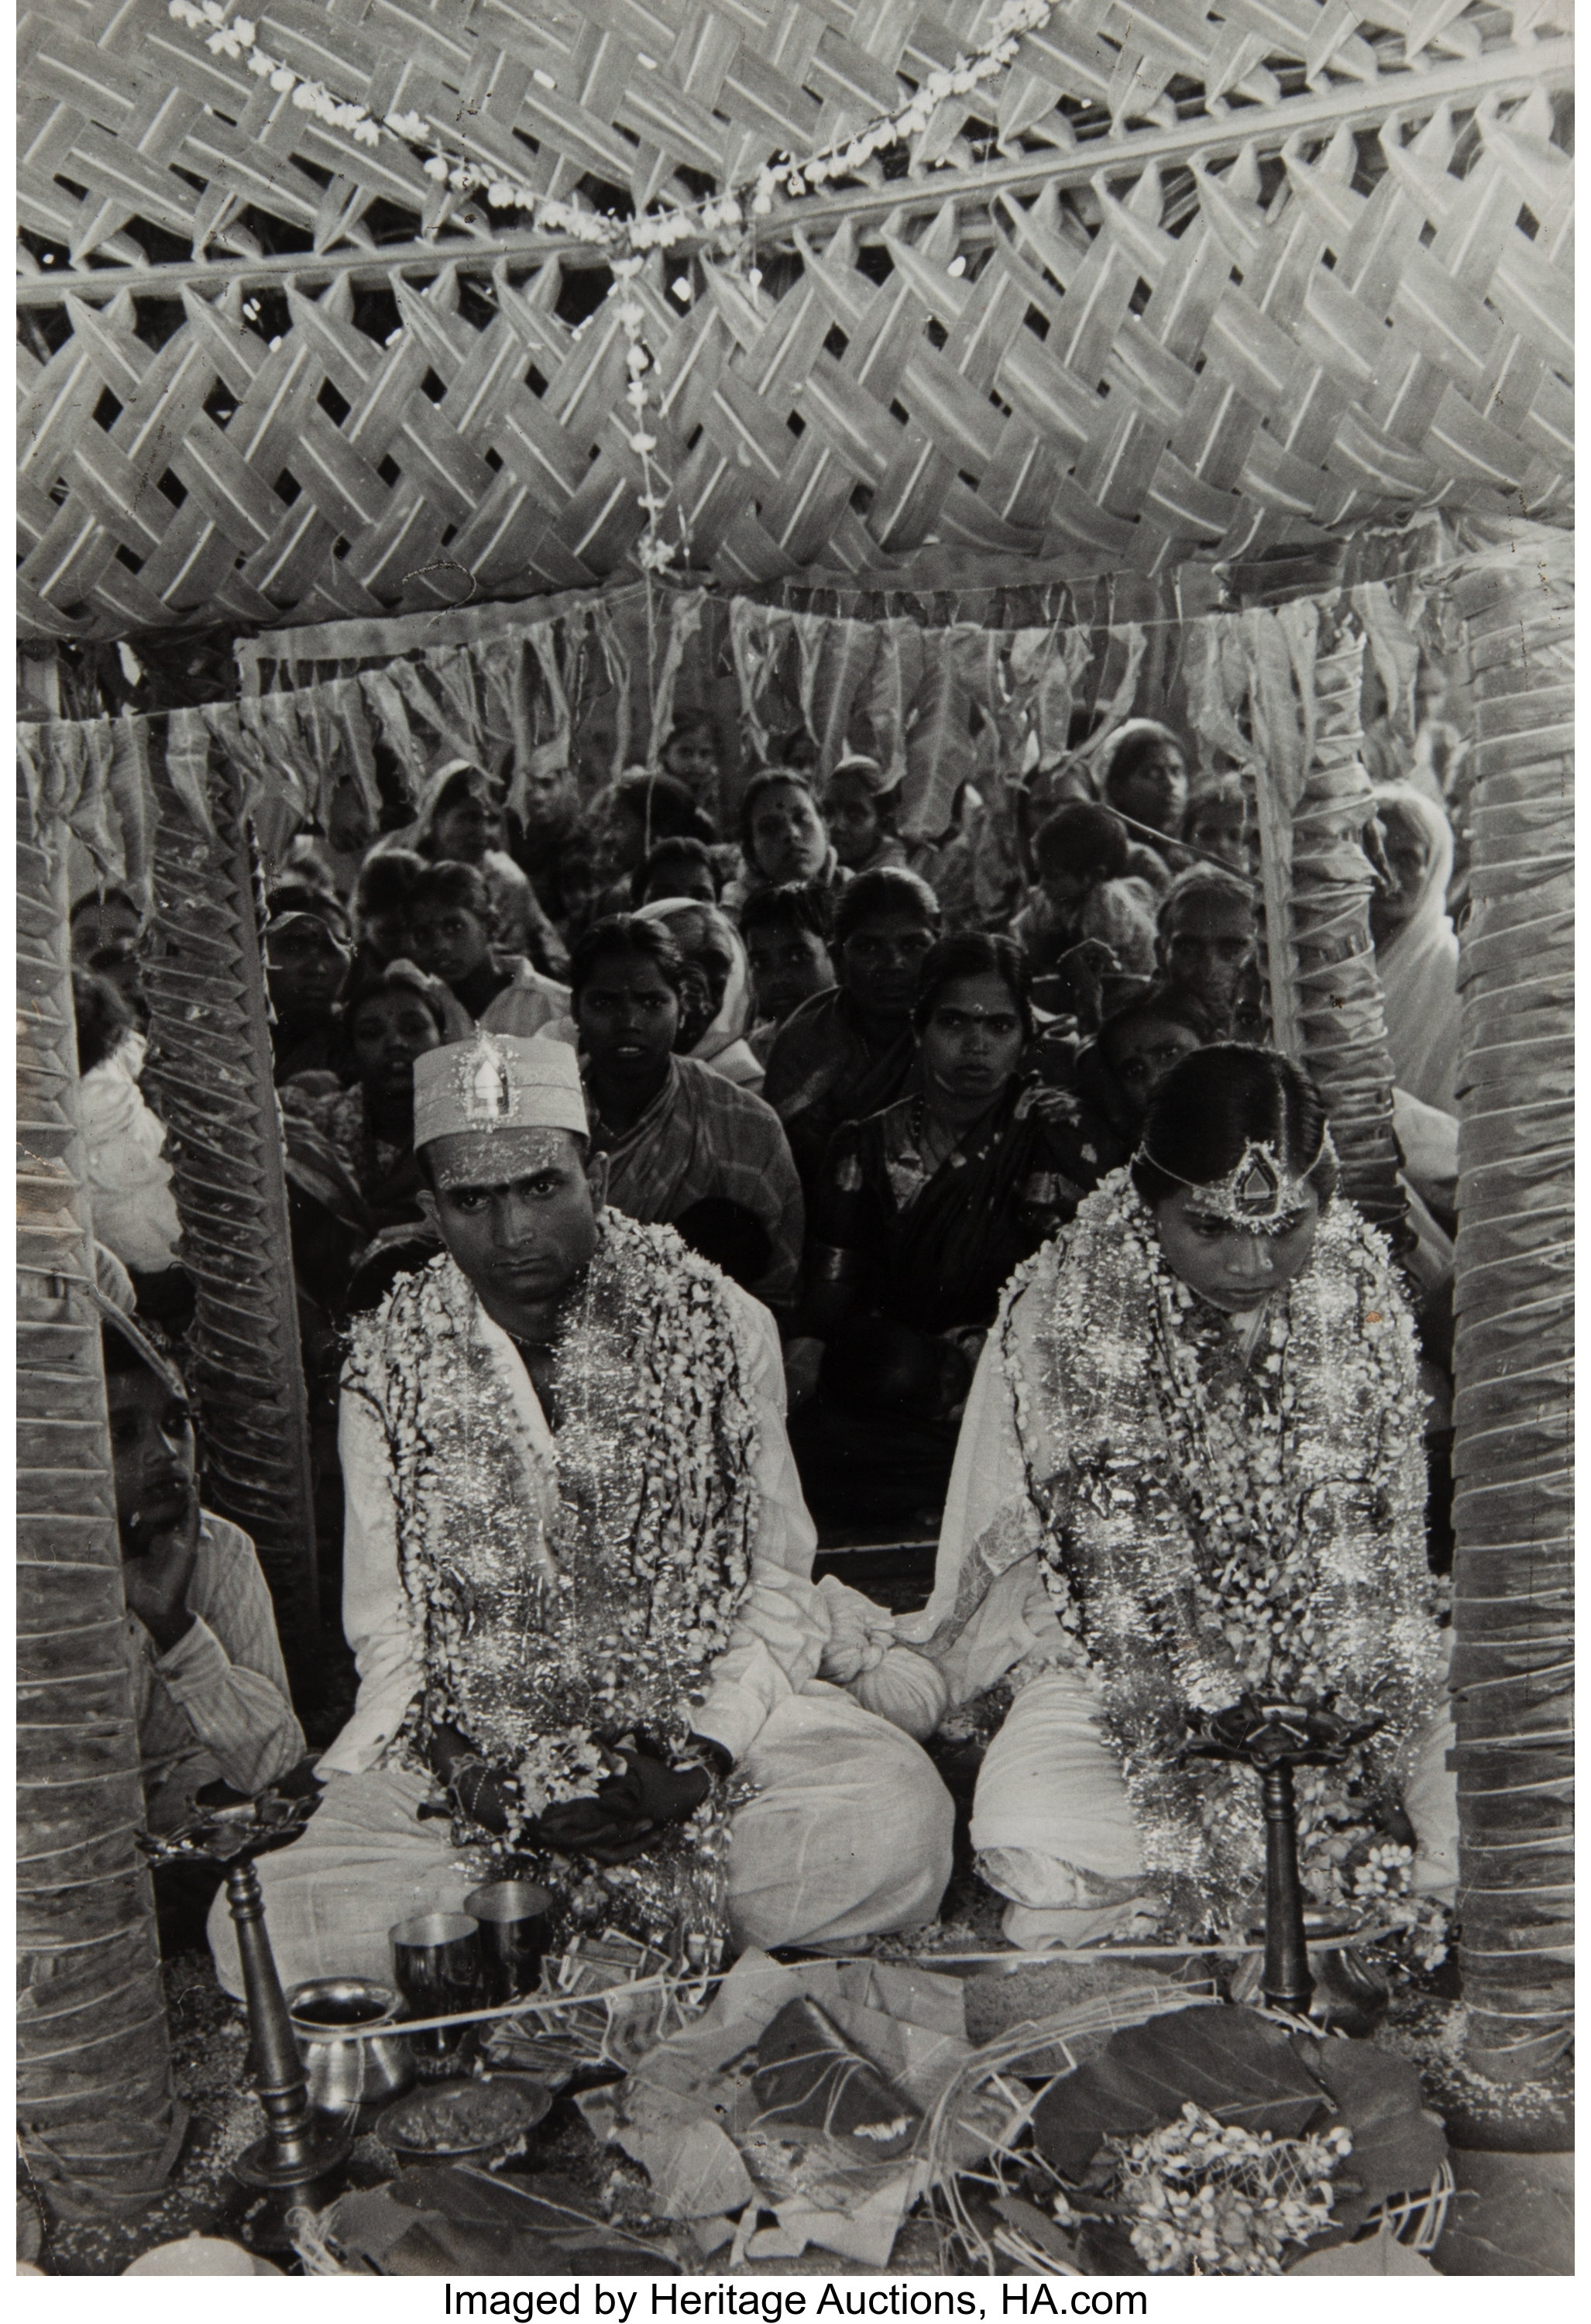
407,2134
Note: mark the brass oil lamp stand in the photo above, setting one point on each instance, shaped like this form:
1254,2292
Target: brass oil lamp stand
1274,1739
300,2158
300,2147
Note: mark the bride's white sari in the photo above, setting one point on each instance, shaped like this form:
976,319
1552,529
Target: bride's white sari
1154,1508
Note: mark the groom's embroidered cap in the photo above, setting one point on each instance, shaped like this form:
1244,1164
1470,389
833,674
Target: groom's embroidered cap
496,1081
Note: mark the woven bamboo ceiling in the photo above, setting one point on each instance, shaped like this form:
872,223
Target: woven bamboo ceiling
1172,283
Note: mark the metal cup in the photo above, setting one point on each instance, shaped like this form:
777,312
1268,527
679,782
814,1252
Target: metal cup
437,1961
514,1919
342,2073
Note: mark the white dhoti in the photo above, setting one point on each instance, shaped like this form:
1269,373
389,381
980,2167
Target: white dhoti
849,1835
1054,1832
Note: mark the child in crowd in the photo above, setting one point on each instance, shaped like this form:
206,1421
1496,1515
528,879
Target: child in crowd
786,937
106,930
461,822
1085,893
675,867
127,1176
451,934
690,756
860,808
381,903
1216,823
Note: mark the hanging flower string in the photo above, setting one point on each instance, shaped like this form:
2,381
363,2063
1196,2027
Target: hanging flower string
727,215
717,214
654,553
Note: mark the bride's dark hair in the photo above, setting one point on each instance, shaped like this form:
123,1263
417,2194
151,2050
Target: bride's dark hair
1212,1102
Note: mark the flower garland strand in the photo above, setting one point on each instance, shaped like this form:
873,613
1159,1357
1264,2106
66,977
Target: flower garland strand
716,213
722,215
1211,2198
555,1606
1212,1528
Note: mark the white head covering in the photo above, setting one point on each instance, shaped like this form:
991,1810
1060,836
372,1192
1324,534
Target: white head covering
723,1045
1419,964
495,1081
419,834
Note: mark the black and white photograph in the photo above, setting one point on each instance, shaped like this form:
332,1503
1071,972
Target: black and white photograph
794,947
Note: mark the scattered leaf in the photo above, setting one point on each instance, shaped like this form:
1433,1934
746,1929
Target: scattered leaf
1234,2063
1398,2147
1382,2254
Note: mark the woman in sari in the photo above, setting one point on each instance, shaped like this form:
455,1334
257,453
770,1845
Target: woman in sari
1416,948
1191,1473
782,838
848,1051
1120,1069
919,1215
716,1012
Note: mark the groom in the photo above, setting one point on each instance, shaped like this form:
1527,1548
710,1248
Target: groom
577,1579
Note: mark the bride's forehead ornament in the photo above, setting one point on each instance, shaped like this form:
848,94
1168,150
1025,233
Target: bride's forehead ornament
1260,1193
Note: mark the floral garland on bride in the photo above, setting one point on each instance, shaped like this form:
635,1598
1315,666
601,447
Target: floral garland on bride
1222,1519
559,1604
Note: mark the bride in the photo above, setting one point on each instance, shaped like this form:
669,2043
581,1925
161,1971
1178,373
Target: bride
1191,1469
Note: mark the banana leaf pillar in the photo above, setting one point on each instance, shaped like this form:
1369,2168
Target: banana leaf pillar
1513,1569
1313,803
94,2091
210,1070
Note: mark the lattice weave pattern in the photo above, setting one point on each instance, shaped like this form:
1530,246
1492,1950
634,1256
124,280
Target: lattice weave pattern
1164,363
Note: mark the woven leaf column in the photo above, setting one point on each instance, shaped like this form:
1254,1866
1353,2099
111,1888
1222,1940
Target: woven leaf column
1313,803
94,2095
1340,1017
210,1066
1513,1569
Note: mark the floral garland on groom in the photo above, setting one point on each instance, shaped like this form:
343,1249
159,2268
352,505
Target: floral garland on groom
559,1606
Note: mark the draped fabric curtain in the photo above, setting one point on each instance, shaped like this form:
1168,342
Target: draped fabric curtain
1274,691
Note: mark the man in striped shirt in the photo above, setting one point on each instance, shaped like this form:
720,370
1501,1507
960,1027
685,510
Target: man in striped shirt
209,1688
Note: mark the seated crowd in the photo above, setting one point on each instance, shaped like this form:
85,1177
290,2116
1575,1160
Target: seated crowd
916,1111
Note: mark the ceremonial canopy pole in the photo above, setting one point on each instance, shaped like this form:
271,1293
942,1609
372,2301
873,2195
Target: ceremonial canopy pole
94,2093
1514,1574
209,1071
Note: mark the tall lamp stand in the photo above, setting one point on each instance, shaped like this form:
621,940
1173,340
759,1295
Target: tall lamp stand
1274,1739
299,2147
300,2158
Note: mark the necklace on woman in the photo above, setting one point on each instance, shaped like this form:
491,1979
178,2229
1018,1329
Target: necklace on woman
936,1143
